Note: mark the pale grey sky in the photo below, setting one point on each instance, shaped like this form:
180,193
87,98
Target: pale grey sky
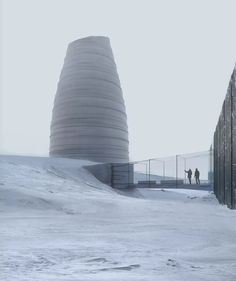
174,60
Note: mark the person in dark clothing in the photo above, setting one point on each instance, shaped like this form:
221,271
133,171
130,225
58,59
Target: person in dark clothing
197,176
189,172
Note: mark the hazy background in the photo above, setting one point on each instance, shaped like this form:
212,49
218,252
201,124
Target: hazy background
174,60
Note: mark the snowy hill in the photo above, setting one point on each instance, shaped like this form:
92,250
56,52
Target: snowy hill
39,183
58,222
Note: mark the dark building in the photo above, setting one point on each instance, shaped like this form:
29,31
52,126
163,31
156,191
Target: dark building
225,149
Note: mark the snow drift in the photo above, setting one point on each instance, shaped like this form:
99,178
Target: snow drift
58,222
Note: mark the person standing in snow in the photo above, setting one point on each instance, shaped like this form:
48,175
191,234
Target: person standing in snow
189,172
197,176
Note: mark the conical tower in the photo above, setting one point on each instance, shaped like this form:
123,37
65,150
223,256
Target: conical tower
89,118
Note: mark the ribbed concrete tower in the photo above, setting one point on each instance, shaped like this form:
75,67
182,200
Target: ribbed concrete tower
89,117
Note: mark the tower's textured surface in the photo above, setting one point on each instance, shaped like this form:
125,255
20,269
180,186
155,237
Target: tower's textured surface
89,118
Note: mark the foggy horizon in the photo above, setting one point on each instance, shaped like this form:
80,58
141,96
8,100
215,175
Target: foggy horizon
174,62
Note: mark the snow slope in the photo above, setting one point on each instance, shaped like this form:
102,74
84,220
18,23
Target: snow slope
57,222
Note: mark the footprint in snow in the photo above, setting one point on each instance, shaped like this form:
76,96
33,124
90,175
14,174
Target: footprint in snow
194,197
97,260
172,263
126,268
36,171
195,267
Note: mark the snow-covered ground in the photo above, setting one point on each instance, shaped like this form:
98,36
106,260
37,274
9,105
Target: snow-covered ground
57,222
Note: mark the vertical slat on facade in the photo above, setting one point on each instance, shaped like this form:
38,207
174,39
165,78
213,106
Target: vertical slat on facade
228,146
218,161
222,155
215,164
233,93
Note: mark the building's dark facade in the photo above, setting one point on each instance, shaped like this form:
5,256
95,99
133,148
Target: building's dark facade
225,149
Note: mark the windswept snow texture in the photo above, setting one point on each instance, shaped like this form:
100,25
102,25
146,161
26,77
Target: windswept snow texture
57,222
